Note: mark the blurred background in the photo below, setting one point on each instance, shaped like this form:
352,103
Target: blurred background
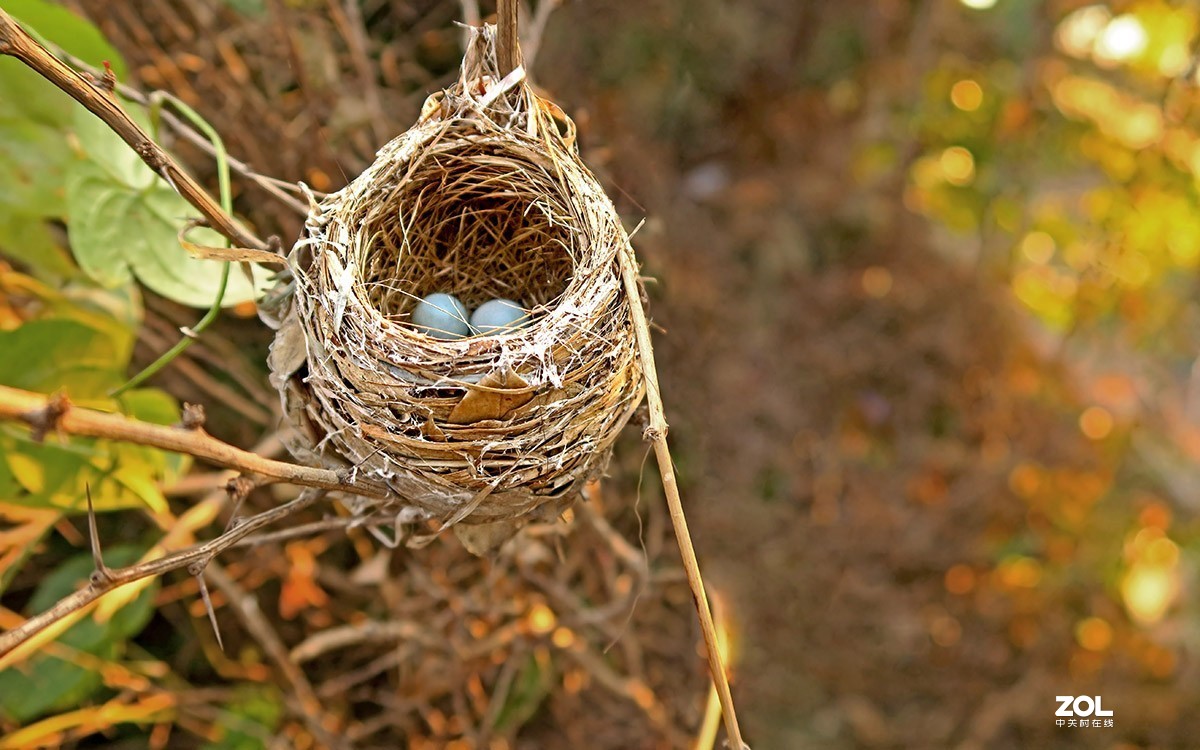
926,279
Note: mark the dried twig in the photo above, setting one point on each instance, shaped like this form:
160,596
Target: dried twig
656,433
47,414
16,42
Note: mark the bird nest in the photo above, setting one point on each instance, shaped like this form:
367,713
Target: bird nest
485,197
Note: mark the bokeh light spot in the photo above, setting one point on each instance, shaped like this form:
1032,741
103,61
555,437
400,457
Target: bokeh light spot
1148,591
1122,39
967,95
1077,33
1096,422
1094,634
958,165
1038,247
1019,572
541,619
945,630
1025,479
960,579
877,282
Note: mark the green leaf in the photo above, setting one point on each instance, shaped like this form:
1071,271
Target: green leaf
29,241
34,154
33,164
531,686
47,684
117,233
45,469
50,355
249,719
106,149
114,312
69,31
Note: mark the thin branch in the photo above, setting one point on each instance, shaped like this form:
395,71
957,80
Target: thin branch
45,414
16,42
200,555
349,20
537,30
656,433
274,187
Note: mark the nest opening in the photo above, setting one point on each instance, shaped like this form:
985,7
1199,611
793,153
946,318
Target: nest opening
468,223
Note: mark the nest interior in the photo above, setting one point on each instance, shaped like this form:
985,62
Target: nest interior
484,197
474,222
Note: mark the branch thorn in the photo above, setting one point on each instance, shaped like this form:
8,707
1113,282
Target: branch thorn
109,81
212,615
101,575
193,417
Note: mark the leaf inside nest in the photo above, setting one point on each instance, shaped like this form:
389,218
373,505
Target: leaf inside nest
496,396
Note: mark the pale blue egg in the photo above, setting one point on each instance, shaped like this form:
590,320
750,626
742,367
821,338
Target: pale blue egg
499,316
441,316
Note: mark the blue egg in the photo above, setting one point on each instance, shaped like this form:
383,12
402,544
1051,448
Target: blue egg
499,316
441,316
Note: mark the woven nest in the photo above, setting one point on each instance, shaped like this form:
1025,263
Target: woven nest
485,197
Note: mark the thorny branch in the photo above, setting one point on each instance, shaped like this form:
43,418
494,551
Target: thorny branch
51,415
106,579
16,42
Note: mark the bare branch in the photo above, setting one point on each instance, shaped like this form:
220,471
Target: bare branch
50,414
16,42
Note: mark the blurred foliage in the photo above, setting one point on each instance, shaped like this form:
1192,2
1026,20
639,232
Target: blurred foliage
1071,176
64,678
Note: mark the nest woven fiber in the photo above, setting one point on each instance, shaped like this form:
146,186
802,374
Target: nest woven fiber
485,197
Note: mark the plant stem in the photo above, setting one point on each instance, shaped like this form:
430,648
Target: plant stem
214,311
656,433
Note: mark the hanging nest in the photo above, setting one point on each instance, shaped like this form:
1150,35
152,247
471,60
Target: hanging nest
485,197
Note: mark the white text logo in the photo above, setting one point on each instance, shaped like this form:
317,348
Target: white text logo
1082,706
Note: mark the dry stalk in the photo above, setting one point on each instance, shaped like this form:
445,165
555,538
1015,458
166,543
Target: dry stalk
656,433
508,51
16,42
